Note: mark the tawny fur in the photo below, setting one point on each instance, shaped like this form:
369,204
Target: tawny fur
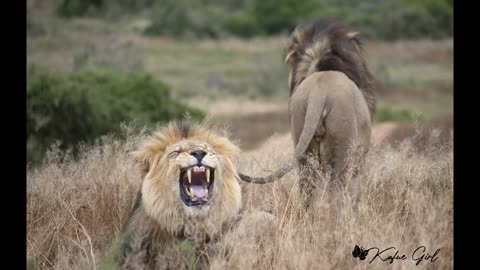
160,216
331,103
325,45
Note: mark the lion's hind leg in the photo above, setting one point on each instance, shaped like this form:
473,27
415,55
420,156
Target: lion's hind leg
314,170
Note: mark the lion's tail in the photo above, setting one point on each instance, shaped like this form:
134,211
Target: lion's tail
272,177
313,118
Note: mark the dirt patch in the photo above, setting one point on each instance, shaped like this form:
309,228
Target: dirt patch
252,129
395,133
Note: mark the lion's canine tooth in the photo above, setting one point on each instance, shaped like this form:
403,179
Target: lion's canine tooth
206,193
207,173
189,175
191,192
188,192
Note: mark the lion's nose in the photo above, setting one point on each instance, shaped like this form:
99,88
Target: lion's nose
199,154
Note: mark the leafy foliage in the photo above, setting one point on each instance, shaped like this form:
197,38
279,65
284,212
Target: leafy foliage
386,19
82,106
398,115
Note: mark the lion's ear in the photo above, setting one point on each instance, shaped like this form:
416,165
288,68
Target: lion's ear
352,34
289,55
144,160
294,42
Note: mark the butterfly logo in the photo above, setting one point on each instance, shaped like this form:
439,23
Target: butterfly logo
359,252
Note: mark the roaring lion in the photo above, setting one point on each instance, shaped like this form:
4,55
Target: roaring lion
331,103
189,191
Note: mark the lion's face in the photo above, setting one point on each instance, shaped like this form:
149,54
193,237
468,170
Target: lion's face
189,172
195,164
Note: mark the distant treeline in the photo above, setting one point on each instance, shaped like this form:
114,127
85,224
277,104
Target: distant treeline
384,19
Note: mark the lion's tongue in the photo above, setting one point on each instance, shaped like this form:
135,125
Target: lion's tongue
198,191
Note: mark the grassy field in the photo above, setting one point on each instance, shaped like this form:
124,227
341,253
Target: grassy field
237,81
245,69
75,208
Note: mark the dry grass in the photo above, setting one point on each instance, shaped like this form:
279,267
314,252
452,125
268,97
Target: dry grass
75,210
406,201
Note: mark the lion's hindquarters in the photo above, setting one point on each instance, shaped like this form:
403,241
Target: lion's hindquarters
307,108
328,114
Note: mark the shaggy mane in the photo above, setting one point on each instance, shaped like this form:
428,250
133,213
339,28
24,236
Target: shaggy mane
328,45
155,146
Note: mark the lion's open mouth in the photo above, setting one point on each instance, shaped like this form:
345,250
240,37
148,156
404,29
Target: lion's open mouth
196,184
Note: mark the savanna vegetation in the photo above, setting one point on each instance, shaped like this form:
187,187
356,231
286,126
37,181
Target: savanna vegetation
76,209
85,105
102,73
246,18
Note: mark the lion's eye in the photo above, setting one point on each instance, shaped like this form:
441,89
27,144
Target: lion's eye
174,153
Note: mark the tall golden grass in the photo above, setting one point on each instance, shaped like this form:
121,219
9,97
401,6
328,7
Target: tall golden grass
76,208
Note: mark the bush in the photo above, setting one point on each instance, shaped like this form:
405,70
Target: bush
71,8
180,18
392,20
243,25
82,106
211,18
78,8
275,16
397,115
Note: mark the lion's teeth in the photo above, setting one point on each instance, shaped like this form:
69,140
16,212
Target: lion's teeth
191,192
206,193
189,175
188,192
199,169
207,173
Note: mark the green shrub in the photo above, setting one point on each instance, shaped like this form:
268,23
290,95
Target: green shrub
243,25
212,18
101,8
275,16
181,18
72,8
392,20
397,115
82,106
